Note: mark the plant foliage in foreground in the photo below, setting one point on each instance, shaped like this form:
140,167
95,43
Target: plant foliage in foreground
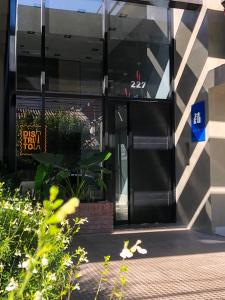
34,242
36,261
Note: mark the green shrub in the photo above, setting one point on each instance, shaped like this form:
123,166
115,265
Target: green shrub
35,259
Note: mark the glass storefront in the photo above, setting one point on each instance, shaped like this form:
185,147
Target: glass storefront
75,56
71,105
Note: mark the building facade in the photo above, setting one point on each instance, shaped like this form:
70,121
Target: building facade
78,77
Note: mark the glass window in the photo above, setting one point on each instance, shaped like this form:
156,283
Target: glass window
28,109
74,127
138,50
74,46
29,45
73,54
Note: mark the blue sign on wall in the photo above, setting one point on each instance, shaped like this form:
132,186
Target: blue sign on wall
198,122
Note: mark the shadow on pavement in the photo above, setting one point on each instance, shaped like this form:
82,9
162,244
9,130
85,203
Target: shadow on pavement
158,243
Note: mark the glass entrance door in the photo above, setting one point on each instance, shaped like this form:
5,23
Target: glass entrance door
121,163
151,162
143,162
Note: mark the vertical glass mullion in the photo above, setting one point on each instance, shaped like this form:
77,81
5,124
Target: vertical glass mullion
42,76
10,103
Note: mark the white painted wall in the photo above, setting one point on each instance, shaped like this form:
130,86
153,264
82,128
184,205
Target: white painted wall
213,4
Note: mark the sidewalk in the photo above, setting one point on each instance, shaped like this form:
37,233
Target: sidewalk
180,264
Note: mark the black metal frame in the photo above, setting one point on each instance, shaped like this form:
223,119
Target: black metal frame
10,90
172,97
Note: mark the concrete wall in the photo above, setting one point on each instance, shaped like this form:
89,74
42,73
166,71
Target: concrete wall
217,157
198,55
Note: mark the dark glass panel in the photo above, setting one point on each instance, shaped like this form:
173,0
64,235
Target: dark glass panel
29,45
138,51
74,46
73,128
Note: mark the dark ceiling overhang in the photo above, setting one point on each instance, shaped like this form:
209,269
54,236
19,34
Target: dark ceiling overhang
183,4
186,4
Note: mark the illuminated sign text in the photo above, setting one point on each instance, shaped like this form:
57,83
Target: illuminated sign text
30,139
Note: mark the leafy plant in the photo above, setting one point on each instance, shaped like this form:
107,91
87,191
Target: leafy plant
52,170
35,260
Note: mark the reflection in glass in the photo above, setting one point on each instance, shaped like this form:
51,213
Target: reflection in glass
138,51
121,163
76,125
74,46
73,129
29,45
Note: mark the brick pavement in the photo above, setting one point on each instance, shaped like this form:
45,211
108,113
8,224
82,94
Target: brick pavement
180,264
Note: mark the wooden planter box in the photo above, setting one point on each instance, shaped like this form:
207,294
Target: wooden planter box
99,215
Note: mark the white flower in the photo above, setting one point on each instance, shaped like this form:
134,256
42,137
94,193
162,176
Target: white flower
68,262
17,253
38,296
141,250
24,264
35,271
29,209
44,262
28,229
126,253
27,212
66,240
12,285
7,205
76,287
82,221
15,222
85,260
58,237
65,222
1,267
51,276
38,207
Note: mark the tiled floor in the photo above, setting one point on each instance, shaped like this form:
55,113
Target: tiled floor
180,264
